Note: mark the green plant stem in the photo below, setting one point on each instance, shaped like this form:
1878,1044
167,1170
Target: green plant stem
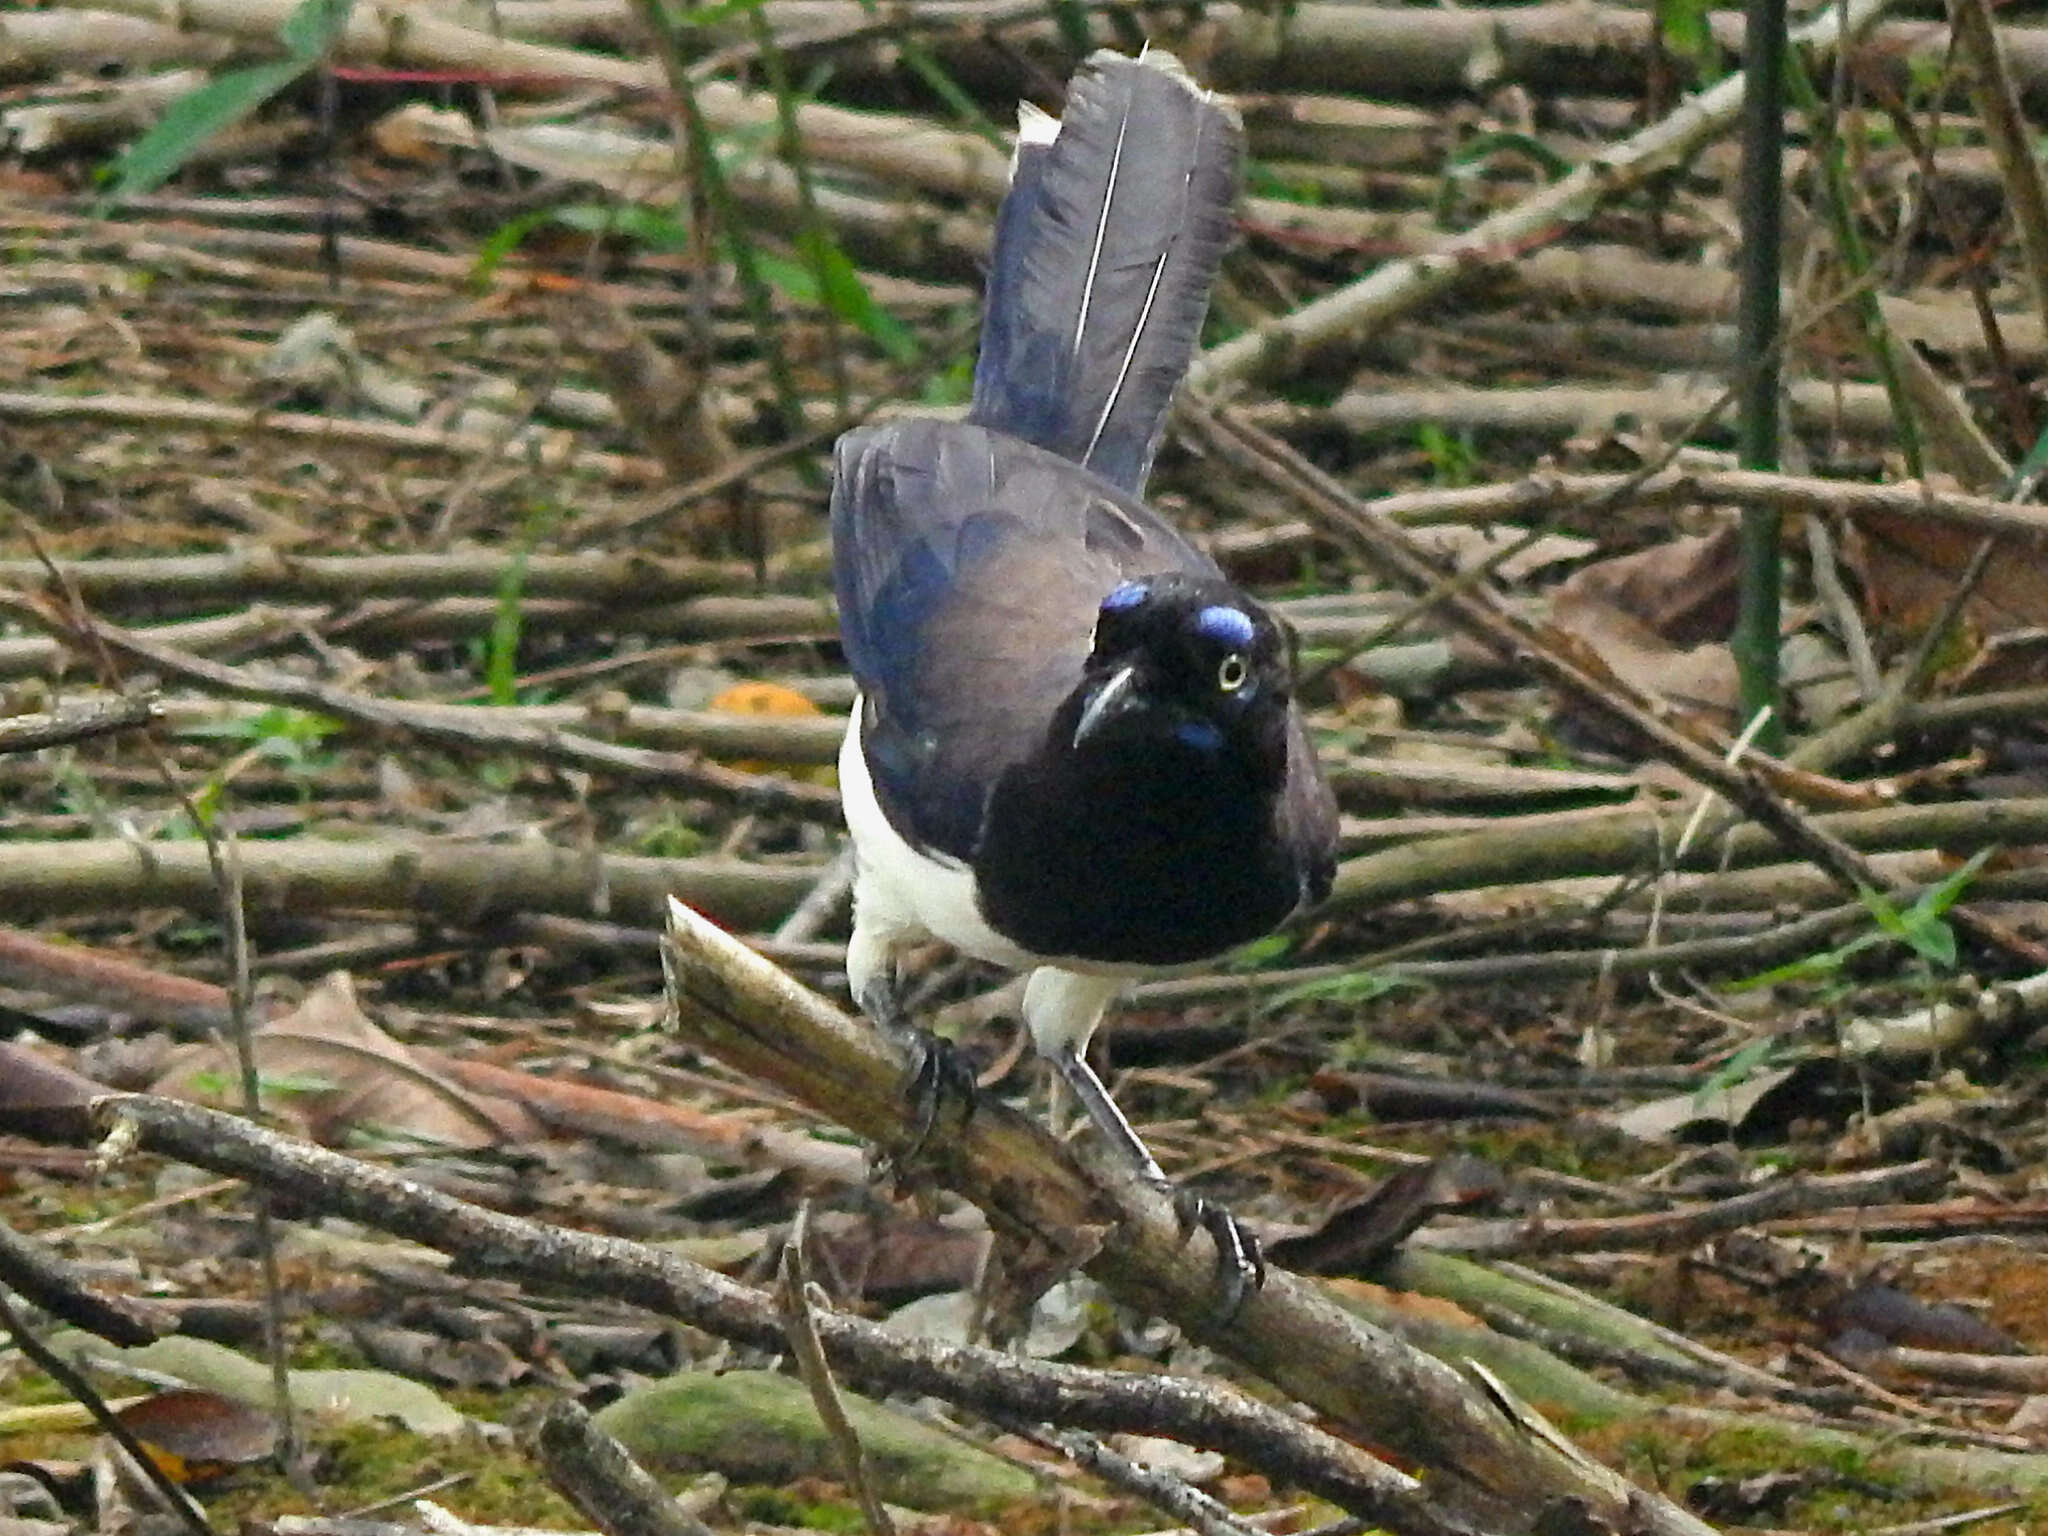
710,184
1855,259
815,229
1755,641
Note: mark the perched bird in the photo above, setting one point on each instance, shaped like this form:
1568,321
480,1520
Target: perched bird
1076,750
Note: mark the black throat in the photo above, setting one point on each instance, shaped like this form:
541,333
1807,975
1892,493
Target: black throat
1149,853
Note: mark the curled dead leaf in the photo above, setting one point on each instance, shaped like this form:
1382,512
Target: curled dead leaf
195,1435
329,1069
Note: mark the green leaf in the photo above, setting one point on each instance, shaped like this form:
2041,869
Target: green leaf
1683,24
848,297
1471,156
2029,468
952,384
1827,963
191,120
1882,912
501,243
1452,460
659,229
199,115
1262,180
1260,953
1357,987
508,618
1737,1067
313,27
277,722
793,278
1932,939
1947,891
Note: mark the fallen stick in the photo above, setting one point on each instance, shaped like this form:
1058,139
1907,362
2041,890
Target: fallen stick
552,449
1636,841
265,573
77,722
1523,1237
470,882
465,729
485,1243
1481,1454
721,734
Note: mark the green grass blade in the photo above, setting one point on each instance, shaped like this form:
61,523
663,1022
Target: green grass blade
508,620
194,118
1946,892
313,27
843,292
190,121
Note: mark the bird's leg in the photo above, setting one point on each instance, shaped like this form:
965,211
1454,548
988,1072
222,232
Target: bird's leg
1095,1102
1240,1267
939,1069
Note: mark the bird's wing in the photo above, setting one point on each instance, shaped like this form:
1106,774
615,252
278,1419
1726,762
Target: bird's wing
969,570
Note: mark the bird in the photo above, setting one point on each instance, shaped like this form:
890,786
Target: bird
1075,750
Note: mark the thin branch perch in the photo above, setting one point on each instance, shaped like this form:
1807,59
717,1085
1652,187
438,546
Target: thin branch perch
758,1020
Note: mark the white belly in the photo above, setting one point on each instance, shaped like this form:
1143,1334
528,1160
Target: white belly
901,895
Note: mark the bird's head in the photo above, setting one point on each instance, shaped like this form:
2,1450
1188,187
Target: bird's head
1186,663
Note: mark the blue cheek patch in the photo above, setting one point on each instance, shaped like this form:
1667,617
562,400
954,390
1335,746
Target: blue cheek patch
1199,734
1225,625
1125,595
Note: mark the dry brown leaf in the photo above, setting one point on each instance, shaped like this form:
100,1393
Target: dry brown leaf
329,1069
195,1435
1909,567
1699,677
1682,591
1656,619
2016,659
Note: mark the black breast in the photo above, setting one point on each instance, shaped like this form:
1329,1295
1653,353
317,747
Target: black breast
1148,857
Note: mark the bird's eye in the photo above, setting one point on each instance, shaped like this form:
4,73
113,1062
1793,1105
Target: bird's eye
1230,675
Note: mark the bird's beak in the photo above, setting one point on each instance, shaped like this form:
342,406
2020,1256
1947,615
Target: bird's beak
1117,696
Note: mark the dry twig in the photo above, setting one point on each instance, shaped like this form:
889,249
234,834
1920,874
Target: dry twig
537,742
488,1243
759,1021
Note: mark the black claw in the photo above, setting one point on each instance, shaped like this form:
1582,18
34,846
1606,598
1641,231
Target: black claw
1240,1262
940,1072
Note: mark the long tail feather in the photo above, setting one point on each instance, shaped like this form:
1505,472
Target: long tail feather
1105,251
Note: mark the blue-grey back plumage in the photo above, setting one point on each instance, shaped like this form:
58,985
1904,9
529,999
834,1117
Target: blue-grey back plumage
968,568
1105,253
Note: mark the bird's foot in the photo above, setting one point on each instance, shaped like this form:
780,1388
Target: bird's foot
940,1072
1240,1262
1240,1266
